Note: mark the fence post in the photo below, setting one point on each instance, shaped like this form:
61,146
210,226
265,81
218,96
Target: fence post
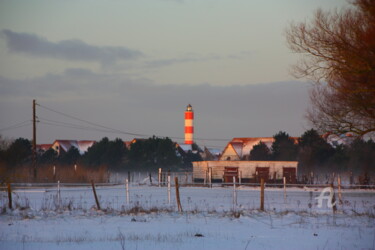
58,193
178,195
205,178
127,191
210,177
333,201
54,173
169,189
96,197
149,175
234,193
10,196
339,184
284,181
159,177
262,194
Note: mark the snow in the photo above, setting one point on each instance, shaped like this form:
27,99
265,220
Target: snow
41,221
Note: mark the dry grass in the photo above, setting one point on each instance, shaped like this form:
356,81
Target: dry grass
46,174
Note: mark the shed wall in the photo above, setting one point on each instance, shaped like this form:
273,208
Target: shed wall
246,168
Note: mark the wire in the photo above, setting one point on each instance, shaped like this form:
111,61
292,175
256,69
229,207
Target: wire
108,129
92,123
18,125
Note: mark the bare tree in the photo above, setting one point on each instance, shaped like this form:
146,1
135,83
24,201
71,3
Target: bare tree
338,53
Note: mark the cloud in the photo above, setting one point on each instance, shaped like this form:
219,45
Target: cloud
193,58
74,50
139,106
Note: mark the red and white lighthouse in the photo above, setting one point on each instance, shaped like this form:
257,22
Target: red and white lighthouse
189,125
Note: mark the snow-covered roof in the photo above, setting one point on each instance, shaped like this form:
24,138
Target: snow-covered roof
241,147
186,147
65,145
83,146
335,140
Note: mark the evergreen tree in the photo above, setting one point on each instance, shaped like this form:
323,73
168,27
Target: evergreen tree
284,148
105,152
313,151
154,152
18,152
361,156
260,152
70,157
48,157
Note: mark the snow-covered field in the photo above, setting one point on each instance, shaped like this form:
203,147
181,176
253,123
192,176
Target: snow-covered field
211,219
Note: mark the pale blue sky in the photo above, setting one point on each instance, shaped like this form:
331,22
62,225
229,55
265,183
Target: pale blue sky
148,45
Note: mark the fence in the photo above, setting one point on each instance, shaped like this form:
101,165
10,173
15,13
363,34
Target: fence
223,198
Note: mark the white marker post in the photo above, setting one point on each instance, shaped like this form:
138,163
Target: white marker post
159,177
284,180
234,192
127,191
58,193
169,189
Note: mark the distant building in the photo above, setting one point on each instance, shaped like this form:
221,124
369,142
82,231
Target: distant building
336,140
63,146
42,148
239,148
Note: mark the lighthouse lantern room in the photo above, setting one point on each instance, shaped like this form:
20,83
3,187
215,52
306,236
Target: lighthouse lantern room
189,125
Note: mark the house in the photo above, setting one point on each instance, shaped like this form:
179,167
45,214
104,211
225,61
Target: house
245,171
42,148
239,148
336,140
63,146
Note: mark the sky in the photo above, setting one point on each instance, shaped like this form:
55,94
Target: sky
129,68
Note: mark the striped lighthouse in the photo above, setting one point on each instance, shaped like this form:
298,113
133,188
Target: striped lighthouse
189,126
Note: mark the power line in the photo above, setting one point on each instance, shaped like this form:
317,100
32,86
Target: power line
92,123
108,129
18,125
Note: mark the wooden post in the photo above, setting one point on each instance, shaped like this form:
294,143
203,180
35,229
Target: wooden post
178,195
205,178
96,197
210,177
127,191
333,201
149,175
284,180
339,184
159,177
10,196
54,172
262,194
234,192
58,193
169,189
34,154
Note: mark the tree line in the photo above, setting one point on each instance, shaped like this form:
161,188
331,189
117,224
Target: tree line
146,154
315,154
311,150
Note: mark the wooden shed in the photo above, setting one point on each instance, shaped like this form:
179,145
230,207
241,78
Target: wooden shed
245,171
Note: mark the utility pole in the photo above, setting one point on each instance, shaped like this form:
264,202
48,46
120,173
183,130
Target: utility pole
34,139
